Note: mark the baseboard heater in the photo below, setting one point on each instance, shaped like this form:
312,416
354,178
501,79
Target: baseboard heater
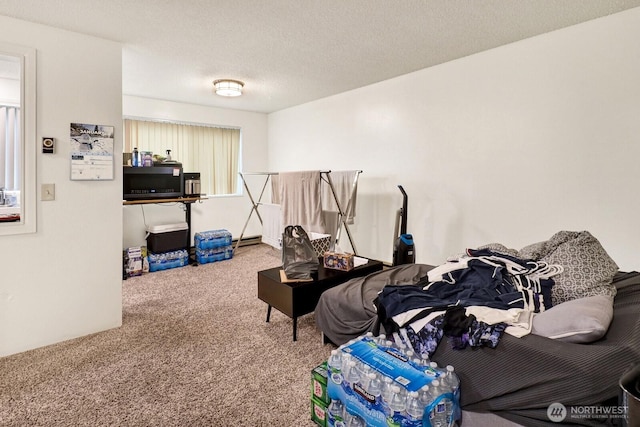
248,241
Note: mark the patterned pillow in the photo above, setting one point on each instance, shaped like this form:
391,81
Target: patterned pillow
588,269
534,251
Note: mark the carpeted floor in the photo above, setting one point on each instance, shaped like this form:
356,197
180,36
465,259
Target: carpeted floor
194,350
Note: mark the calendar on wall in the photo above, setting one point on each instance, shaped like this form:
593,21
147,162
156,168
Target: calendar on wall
91,152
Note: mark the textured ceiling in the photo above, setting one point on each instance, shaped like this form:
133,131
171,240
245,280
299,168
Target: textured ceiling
289,52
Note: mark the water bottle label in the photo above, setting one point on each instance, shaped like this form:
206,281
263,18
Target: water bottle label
317,388
336,377
388,365
364,394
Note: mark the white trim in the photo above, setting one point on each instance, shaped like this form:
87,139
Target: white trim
28,190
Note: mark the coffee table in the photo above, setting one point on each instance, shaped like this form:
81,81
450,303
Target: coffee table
299,298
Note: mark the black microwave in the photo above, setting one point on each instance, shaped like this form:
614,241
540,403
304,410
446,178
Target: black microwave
155,182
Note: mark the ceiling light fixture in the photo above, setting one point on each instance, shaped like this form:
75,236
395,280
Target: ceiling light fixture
228,87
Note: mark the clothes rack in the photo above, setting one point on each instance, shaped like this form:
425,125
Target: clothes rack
326,177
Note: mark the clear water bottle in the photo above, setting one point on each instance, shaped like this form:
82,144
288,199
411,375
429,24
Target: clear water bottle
387,389
335,362
380,340
425,396
398,402
346,357
352,376
375,385
439,412
414,407
352,420
402,347
414,358
364,369
336,412
451,384
424,359
433,367
451,379
135,158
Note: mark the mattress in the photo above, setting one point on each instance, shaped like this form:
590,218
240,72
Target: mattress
521,377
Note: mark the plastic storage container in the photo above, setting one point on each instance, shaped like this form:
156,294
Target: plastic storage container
167,237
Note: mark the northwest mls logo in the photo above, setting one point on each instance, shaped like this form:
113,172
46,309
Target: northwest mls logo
556,412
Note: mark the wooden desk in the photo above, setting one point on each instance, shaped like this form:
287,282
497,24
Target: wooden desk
187,201
299,298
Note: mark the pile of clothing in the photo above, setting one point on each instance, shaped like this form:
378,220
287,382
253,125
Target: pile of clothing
473,299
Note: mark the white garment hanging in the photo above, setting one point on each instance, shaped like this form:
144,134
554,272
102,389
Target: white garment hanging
271,225
346,188
300,200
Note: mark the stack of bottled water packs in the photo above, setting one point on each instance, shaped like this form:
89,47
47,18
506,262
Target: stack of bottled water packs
375,382
167,260
213,245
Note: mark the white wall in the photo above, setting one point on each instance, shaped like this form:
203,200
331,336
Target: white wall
509,145
228,212
64,281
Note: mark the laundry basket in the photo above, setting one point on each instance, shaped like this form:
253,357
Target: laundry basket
320,242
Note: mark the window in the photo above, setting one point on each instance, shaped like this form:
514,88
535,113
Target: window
212,151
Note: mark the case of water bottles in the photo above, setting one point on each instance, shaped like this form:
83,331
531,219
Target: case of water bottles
374,382
212,239
319,399
213,245
168,260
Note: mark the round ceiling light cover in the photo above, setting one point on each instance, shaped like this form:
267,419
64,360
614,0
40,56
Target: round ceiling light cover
228,87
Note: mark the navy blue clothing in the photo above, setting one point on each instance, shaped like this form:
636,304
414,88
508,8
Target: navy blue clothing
485,281
489,279
479,284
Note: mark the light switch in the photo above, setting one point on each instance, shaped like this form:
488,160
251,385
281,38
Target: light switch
48,192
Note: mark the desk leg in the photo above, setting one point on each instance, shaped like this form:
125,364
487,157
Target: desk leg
295,328
187,217
268,313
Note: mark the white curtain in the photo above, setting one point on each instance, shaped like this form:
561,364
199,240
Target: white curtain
212,151
10,148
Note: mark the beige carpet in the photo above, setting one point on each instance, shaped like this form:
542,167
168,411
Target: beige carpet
194,350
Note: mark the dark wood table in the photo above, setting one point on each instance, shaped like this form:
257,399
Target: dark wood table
300,298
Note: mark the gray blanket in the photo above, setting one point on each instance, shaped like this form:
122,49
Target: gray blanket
520,378
347,311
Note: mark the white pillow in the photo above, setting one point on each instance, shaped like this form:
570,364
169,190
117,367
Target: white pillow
581,320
